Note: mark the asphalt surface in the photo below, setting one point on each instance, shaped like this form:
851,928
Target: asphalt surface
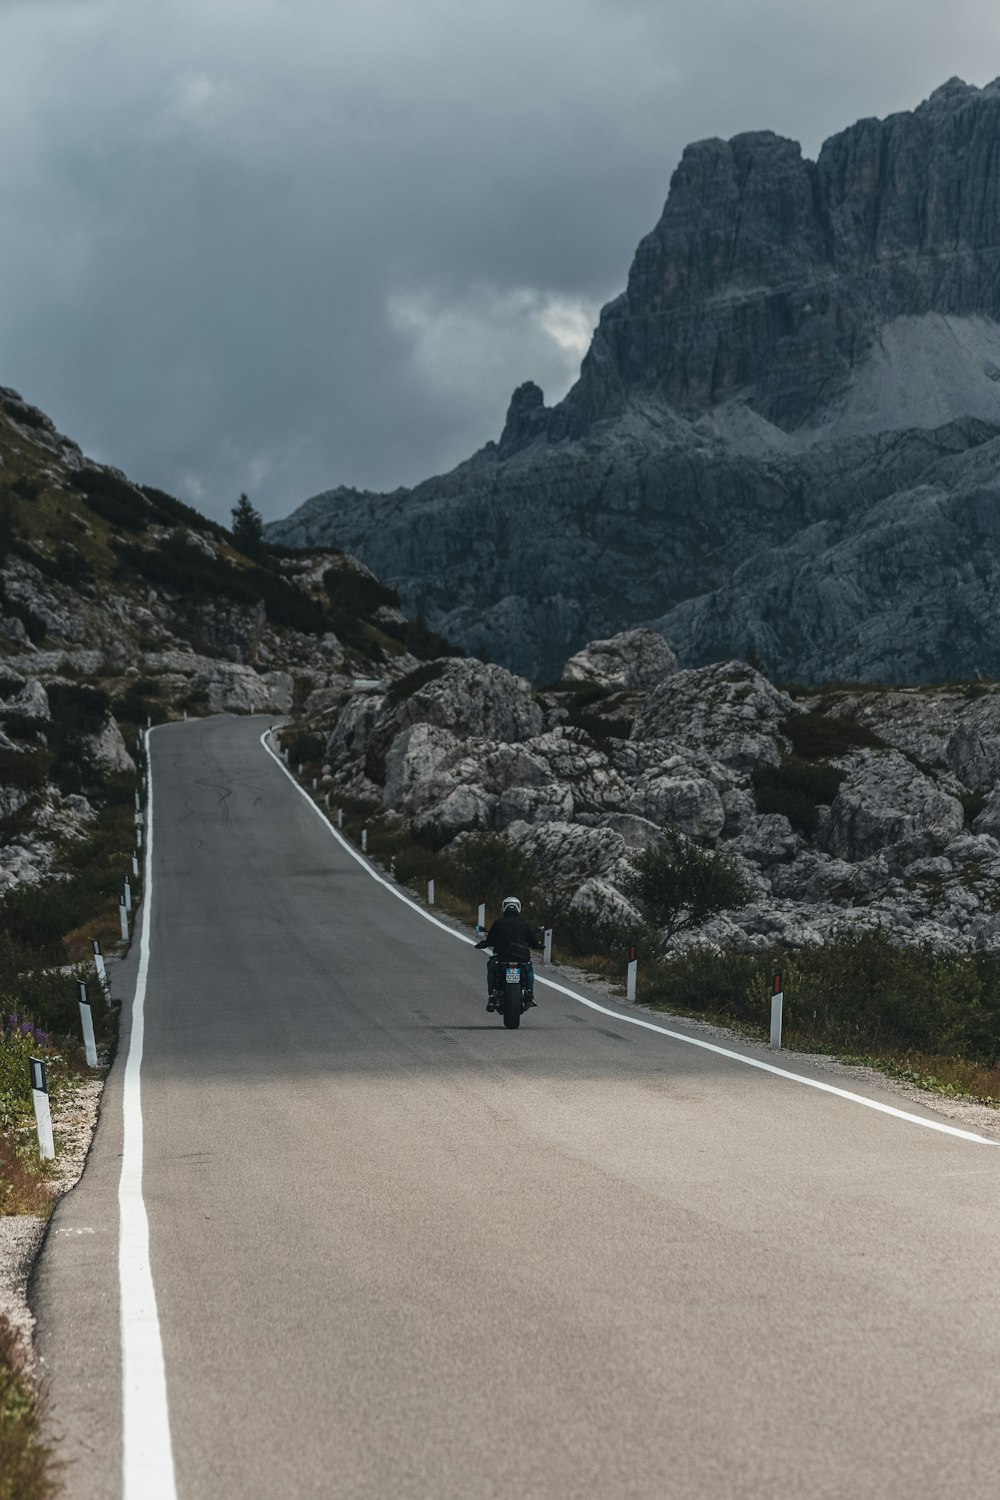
401,1252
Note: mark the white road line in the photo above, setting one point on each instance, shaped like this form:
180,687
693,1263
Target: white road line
676,1036
147,1458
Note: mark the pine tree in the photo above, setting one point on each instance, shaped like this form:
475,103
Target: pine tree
248,528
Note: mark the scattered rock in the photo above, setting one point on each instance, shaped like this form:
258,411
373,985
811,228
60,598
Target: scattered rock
633,659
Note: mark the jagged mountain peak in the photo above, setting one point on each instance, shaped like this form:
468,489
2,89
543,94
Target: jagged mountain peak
805,352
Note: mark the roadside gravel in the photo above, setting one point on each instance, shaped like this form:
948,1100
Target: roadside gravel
74,1116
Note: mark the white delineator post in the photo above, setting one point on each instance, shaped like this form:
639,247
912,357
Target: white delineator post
547,946
327,799
123,915
777,1007
127,895
135,865
633,964
364,841
138,837
102,973
430,893
138,804
481,916
340,818
315,780
43,1117
87,1022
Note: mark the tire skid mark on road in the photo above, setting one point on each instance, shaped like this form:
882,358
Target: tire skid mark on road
675,1036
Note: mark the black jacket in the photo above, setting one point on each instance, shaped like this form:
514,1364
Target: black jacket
511,936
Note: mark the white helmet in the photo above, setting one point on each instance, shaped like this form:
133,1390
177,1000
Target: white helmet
511,903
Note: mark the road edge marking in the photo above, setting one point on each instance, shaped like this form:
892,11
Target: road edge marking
677,1036
147,1455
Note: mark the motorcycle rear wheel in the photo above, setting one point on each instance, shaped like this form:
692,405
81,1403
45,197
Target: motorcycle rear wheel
512,1006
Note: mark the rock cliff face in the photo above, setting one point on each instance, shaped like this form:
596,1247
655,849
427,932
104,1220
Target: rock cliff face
784,440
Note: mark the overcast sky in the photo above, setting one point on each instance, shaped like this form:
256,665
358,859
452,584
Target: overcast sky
280,245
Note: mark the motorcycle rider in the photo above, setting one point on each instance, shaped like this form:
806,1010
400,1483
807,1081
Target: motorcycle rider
511,939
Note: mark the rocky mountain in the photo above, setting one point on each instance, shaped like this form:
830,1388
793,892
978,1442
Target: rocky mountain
118,603
842,812
784,441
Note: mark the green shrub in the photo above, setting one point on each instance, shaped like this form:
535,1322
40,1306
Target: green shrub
305,745
28,770
486,866
797,788
352,593
20,1039
138,702
859,994
405,687
420,640
972,804
188,571
111,498
174,512
818,736
681,885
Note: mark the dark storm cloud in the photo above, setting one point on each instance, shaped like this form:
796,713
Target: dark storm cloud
276,245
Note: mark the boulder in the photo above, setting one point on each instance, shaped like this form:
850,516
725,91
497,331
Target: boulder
887,805
464,809
31,702
988,821
472,699
568,854
973,751
234,688
281,691
687,800
728,709
810,876
12,799
632,659
106,750
414,782
766,840
534,804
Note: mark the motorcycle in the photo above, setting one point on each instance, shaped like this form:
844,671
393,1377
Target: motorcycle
513,1001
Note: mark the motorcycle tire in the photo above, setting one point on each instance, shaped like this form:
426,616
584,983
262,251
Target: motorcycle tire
512,1006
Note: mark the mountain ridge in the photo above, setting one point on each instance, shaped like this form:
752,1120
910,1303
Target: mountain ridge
798,344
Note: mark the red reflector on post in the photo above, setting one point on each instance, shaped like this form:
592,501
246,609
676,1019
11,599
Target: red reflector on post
777,987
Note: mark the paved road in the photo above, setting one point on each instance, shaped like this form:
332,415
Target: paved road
400,1252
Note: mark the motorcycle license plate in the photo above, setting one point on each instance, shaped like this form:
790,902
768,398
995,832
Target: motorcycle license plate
513,976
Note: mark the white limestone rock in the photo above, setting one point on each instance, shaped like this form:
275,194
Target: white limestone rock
728,709
632,659
973,751
887,805
106,750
